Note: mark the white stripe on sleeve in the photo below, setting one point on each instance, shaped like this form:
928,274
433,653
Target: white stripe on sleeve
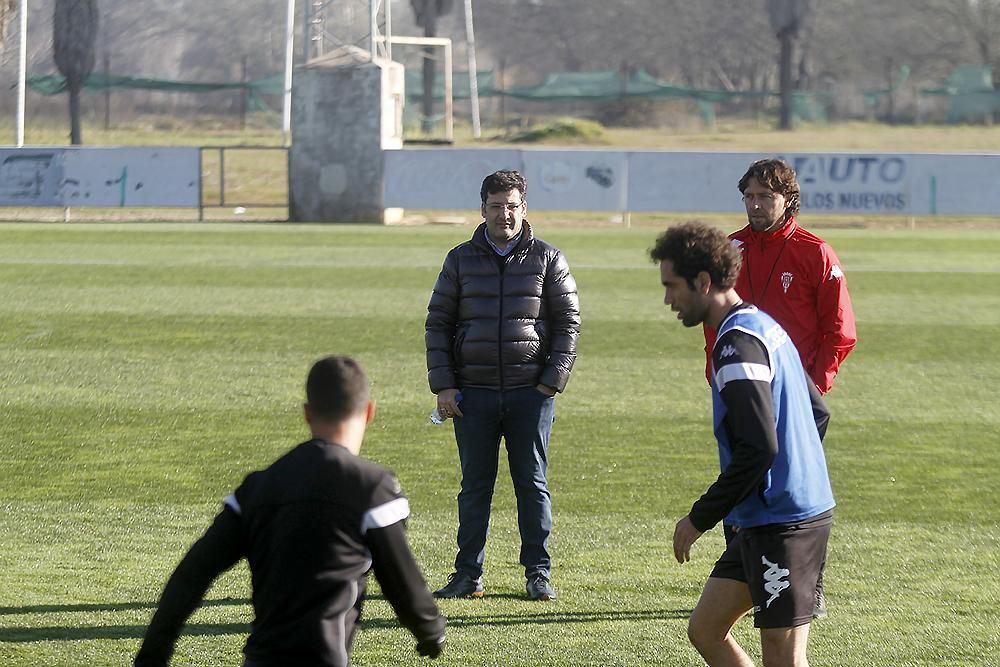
744,371
385,514
233,504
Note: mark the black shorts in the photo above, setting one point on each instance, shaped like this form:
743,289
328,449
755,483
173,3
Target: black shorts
780,563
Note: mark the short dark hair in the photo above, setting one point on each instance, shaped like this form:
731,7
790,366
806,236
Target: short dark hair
776,176
503,181
693,247
337,388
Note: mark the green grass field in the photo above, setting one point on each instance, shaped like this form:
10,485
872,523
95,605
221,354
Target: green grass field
146,368
731,133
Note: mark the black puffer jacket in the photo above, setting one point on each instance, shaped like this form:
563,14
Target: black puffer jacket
502,322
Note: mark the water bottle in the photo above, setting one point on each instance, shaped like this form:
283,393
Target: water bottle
437,418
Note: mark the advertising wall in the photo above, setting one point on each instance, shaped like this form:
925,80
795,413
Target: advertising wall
694,182
99,177
867,184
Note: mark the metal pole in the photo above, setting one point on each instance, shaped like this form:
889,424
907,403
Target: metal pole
243,93
470,43
286,116
388,30
222,176
107,91
22,71
201,183
449,112
501,84
306,29
372,28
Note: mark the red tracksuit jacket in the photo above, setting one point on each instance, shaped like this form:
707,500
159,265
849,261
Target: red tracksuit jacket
796,278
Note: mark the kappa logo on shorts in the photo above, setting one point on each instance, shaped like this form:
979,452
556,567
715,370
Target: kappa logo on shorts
774,577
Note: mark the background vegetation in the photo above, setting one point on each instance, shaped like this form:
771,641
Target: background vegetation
847,49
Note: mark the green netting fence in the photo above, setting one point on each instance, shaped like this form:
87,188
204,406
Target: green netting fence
53,84
969,90
612,85
970,93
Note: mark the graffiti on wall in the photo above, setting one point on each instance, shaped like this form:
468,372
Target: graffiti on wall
100,177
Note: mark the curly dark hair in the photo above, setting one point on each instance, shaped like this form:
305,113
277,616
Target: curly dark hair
337,388
503,181
695,246
776,176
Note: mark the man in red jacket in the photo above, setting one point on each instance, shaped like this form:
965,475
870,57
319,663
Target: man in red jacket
795,277
792,274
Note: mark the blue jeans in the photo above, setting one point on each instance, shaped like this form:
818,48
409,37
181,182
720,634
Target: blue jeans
523,417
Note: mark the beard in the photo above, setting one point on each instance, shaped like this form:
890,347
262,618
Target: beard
762,223
690,320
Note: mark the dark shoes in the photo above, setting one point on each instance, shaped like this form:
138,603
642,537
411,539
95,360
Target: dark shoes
539,588
461,586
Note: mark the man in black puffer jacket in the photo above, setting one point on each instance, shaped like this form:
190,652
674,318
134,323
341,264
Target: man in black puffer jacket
501,334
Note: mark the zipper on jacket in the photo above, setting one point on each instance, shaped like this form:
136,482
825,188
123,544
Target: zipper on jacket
502,270
500,323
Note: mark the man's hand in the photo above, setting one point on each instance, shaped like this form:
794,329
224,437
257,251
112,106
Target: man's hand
546,389
448,403
431,648
685,534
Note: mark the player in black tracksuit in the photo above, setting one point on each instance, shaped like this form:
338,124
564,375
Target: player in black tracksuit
311,526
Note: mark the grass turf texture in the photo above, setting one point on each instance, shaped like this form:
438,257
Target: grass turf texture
145,369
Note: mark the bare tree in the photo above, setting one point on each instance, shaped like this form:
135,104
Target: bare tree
74,33
981,21
427,13
789,20
977,22
8,8
855,47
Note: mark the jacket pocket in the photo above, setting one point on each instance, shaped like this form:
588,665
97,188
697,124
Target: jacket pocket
456,349
542,334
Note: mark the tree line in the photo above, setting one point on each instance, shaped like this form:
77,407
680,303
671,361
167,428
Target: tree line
845,46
